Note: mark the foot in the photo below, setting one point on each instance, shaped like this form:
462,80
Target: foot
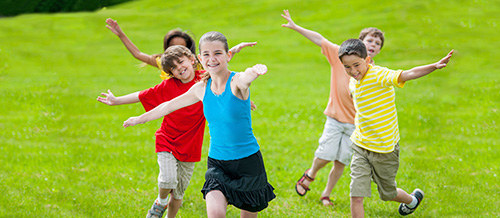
404,209
325,200
302,186
156,210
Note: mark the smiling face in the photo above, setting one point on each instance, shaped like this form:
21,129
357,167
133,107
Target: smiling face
355,66
373,45
213,56
183,69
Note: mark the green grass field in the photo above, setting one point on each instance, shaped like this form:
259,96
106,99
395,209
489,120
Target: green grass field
63,154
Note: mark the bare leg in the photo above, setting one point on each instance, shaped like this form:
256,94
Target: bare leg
164,192
402,197
216,204
333,178
357,210
316,166
248,214
173,207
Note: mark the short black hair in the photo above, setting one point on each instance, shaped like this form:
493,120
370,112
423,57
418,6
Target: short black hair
353,47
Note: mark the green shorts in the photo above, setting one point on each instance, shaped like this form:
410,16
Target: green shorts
381,167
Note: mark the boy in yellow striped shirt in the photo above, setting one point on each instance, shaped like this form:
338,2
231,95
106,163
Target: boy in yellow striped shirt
376,137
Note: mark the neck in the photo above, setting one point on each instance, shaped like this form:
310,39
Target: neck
219,78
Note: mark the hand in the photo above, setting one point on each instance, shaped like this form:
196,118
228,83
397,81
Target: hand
132,121
287,17
253,106
443,62
238,47
108,99
114,27
259,69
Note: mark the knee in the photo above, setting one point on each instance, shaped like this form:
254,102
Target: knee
357,200
216,212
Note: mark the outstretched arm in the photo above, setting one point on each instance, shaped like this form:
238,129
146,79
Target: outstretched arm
115,28
421,71
238,48
193,95
111,100
309,34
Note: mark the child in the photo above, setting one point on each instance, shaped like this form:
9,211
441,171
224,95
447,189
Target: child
173,37
376,137
236,174
334,144
180,137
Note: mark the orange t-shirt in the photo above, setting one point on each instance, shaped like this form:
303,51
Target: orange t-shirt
340,104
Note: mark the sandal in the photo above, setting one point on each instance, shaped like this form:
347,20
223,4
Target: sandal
300,182
326,198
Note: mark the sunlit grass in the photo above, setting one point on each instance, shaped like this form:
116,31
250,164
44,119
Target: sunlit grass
63,154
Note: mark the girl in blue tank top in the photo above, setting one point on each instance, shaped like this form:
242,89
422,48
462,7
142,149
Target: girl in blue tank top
235,169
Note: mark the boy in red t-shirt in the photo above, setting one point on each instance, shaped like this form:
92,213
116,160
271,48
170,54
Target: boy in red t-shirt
180,137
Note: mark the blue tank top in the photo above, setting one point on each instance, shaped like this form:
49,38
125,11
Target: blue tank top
230,124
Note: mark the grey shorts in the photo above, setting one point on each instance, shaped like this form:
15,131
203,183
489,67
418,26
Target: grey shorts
174,174
335,143
381,167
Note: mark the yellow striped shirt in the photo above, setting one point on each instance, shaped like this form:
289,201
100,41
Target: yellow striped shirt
376,116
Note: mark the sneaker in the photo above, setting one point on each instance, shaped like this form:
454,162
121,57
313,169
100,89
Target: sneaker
156,211
404,209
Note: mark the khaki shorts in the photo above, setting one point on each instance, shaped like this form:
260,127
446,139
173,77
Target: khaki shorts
174,174
381,167
335,143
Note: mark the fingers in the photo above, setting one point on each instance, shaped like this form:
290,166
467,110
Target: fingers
111,22
251,44
260,69
286,12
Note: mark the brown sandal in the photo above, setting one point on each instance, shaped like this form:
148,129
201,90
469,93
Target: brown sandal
325,198
300,182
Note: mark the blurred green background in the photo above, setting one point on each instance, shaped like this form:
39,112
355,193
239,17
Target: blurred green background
63,154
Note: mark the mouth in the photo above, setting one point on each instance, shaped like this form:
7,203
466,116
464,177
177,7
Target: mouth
355,76
182,72
212,65
371,50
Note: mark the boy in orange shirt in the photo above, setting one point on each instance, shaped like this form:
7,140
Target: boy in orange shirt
334,144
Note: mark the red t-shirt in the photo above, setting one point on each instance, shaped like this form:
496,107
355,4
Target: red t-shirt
181,132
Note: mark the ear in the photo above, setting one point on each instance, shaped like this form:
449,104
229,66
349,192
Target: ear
199,56
192,59
229,55
368,60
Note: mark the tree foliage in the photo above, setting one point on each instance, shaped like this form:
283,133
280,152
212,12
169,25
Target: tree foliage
16,7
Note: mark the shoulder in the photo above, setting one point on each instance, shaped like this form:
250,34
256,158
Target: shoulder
326,44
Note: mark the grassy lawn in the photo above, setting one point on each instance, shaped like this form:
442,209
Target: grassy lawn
63,154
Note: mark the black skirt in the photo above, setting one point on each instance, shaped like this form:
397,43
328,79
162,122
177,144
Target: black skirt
243,182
